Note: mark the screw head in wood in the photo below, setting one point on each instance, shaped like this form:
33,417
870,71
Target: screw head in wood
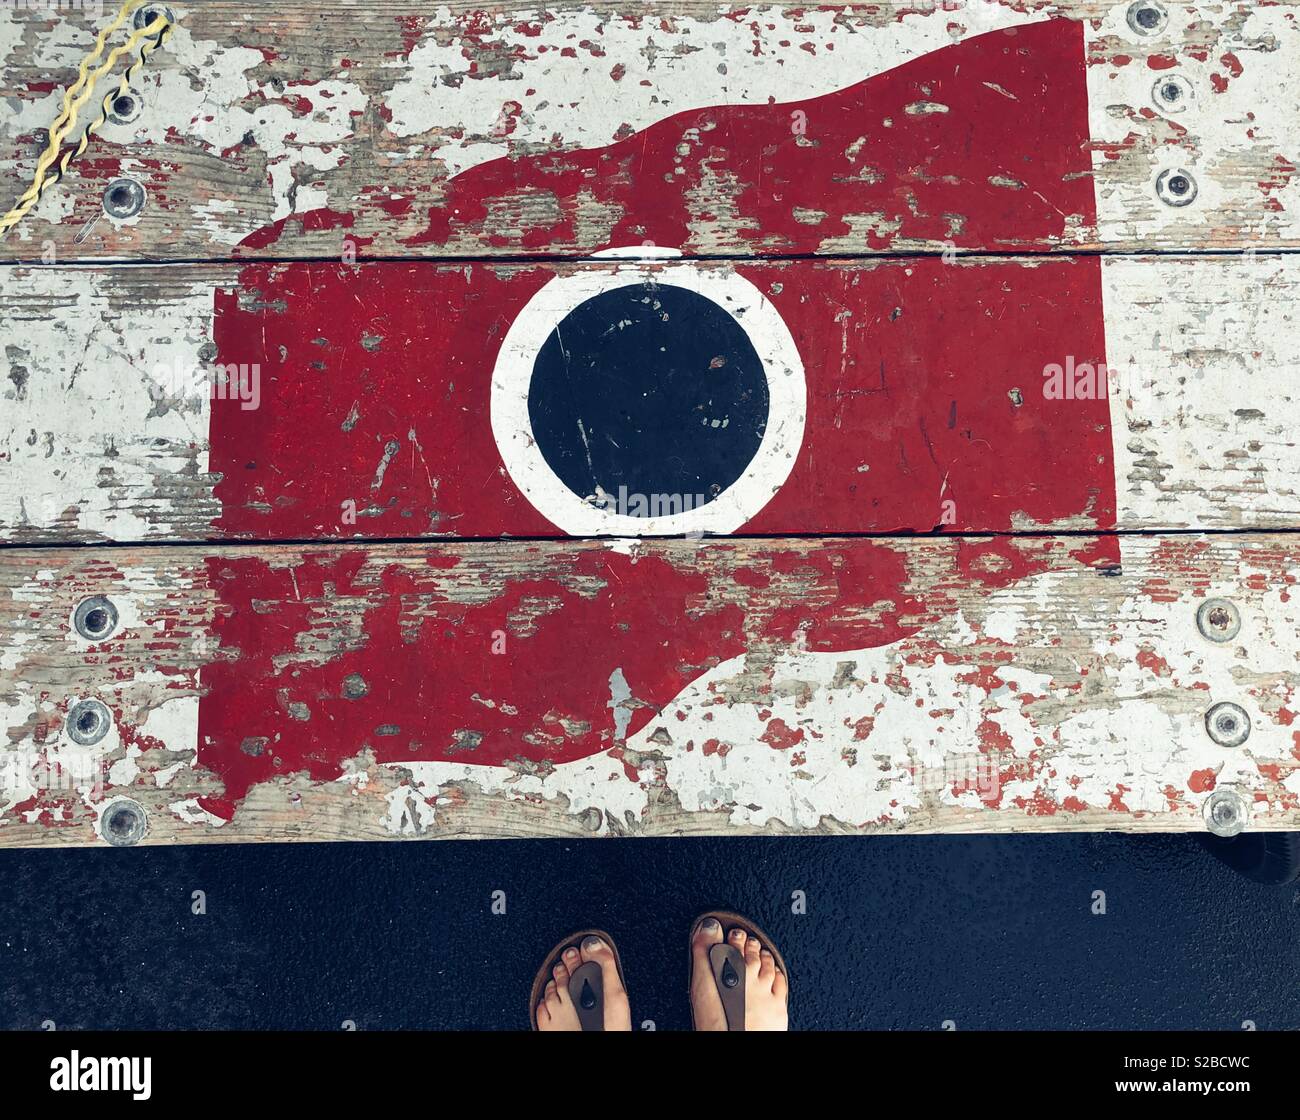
125,107
1224,812
1172,93
146,15
95,618
1218,619
1228,724
88,722
1176,187
123,198
1147,17
123,822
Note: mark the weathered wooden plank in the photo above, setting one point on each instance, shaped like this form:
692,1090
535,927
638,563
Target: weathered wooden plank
327,127
925,386
550,688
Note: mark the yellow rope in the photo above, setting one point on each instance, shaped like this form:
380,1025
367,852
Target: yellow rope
147,38
123,86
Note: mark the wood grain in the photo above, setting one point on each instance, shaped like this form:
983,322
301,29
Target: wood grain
362,113
1079,692
1203,356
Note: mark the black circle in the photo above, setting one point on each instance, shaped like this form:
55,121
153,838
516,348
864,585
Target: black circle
1148,17
648,400
123,105
1172,92
88,721
122,821
1179,184
97,620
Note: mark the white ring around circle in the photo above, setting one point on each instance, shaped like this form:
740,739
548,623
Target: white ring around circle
743,499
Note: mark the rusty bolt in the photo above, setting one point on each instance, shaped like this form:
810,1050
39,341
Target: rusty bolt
123,822
1218,619
1224,812
1228,724
95,618
88,722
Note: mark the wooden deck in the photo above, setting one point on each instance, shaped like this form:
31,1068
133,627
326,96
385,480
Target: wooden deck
351,596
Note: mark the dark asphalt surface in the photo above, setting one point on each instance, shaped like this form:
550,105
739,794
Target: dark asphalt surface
901,932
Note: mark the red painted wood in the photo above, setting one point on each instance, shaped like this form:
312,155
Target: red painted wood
925,384
1014,108
911,374
396,661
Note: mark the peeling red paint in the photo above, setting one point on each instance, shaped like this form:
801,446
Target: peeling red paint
1201,781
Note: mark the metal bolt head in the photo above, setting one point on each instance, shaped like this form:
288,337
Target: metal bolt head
1147,17
123,108
1218,619
123,198
1176,186
146,15
88,722
1228,724
1172,93
95,618
1224,812
123,822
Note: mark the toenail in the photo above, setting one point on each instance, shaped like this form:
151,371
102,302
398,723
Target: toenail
737,934
570,953
591,944
710,925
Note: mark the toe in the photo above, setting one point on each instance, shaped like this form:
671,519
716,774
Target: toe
737,938
752,956
543,1016
572,959
708,932
781,986
705,1001
766,967
598,950
618,1012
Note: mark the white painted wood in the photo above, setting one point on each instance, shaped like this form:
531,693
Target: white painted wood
1204,354
1070,700
252,115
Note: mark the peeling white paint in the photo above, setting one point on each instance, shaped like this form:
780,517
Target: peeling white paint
88,443
571,100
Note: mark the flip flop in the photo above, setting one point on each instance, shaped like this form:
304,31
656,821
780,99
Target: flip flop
728,964
586,985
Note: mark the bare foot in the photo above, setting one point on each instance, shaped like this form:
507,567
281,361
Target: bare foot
766,990
556,1012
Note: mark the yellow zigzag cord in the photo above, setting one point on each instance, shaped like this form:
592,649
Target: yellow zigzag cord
146,38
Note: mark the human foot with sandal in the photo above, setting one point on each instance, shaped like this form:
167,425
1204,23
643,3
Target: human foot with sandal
738,981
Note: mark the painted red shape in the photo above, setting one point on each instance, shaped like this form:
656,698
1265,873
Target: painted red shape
421,676
983,143
925,385
925,380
